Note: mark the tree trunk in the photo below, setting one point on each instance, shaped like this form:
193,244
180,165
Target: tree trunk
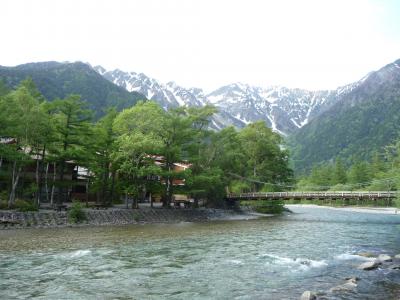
151,200
40,179
144,192
37,195
46,182
60,198
111,198
53,185
169,187
87,193
126,200
1,161
106,174
135,204
14,184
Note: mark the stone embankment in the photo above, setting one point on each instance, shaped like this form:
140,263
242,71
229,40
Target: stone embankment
48,218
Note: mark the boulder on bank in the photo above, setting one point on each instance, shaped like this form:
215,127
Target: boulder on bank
384,258
369,265
308,295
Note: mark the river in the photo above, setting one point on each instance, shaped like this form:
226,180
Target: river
268,258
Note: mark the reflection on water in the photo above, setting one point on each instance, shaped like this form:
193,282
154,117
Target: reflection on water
273,258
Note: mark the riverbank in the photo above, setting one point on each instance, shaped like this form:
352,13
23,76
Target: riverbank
117,216
359,209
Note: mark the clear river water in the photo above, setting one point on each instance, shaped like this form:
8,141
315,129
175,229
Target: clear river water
268,258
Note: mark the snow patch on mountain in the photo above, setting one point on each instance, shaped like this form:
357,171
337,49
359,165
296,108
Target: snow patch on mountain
283,109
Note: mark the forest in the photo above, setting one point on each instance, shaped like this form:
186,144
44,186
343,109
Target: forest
381,173
128,153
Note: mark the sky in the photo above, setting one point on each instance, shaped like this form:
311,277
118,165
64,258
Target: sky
310,44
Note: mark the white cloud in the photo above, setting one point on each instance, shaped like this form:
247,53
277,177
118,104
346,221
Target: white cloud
309,44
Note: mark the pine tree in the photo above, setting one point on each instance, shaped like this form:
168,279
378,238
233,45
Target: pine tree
339,176
72,139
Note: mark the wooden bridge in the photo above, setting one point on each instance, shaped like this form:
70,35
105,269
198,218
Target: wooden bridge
321,196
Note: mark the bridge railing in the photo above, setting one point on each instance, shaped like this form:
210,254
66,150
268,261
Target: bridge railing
315,195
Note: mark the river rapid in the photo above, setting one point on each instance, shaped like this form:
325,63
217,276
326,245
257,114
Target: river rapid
268,258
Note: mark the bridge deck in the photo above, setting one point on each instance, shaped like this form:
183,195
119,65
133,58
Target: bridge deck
313,195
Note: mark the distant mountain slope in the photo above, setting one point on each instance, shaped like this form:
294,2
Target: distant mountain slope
361,122
283,109
57,80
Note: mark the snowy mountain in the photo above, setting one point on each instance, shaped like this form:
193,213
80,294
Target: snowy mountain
168,95
283,109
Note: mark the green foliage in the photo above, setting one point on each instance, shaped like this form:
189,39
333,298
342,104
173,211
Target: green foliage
339,175
3,204
76,214
265,160
341,187
359,173
265,206
57,80
379,174
25,206
397,202
238,186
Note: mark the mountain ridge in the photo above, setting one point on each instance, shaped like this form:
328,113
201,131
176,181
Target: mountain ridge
361,122
283,109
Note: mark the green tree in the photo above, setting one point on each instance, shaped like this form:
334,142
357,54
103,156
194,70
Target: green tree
266,160
339,175
359,173
73,137
138,141
24,120
135,160
104,145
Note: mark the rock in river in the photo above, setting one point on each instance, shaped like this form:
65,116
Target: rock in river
350,284
366,254
395,267
307,295
384,258
369,265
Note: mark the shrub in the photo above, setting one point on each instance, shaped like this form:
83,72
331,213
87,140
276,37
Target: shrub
24,206
265,206
3,204
76,213
397,202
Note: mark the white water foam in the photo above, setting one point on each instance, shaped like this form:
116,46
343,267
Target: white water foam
349,256
300,263
235,261
78,253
